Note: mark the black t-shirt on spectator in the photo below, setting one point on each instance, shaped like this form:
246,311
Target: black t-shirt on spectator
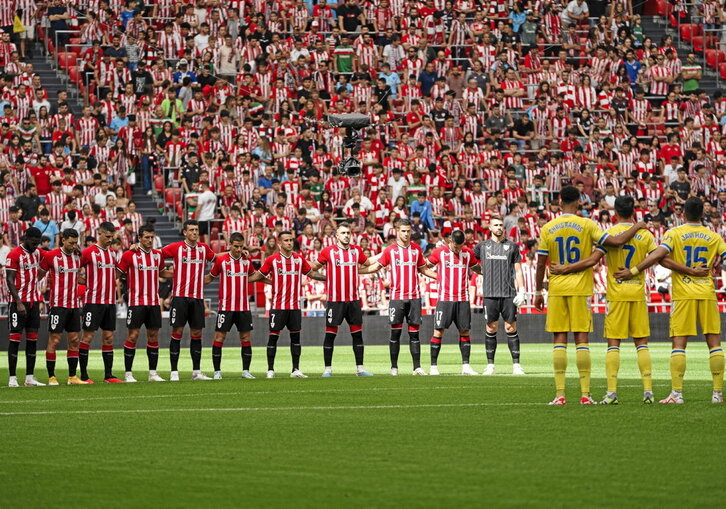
191,174
350,15
682,188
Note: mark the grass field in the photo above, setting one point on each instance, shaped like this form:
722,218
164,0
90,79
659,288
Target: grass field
448,441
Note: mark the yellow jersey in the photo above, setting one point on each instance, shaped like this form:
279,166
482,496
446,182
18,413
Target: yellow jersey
567,239
628,255
693,245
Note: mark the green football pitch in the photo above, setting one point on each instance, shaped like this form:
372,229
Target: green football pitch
445,441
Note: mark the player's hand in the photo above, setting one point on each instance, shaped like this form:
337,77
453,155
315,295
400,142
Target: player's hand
701,271
623,274
641,225
520,298
134,247
557,269
21,308
539,302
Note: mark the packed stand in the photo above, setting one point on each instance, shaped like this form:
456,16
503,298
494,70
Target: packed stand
476,108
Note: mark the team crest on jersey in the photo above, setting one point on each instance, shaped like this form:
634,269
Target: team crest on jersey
506,247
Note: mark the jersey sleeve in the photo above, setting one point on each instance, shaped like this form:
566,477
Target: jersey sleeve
473,260
544,243
435,256
125,262
305,266
362,258
13,260
45,262
266,267
721,248
385,257
208,253
596,234
86,256
217,267
651,246
168,251
669,241
516,255
324,256
421,261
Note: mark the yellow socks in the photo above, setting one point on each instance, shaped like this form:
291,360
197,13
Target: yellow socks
716,361
645,366
678,369
559,364
584,367
612,366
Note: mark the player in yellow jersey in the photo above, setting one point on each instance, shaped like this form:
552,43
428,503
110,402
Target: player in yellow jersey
694,298
565,240
627,314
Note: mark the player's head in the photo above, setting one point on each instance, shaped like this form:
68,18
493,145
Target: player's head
457,239
190,230
569,195
403,231
69,240
286,241
624,207
32,238
343,233
496,226
105,234
146,237
236,244
693,209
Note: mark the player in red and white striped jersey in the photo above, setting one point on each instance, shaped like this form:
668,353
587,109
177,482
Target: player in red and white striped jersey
141,269
235,272
21,274
189,258
342,262
99,309
62,266
452,262
286,270
404,261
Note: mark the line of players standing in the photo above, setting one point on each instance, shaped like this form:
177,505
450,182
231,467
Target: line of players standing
141,267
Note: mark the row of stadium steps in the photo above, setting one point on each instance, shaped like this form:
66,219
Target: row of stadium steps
657,27
54,80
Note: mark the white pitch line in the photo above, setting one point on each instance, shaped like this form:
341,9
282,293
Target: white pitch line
266,409
241,393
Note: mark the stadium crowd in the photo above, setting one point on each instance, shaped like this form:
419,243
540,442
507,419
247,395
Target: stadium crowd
477,108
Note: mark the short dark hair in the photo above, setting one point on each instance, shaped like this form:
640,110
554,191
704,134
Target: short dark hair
404,221
188,223
569,194
693,209
32,233
236,237
343,224
625,206
147,228
69,233
107,227
457,237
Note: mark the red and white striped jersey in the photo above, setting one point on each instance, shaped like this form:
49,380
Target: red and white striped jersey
658,87
286,274
62,271
403,263
342,272
453,272
100,268
189,264
142,276
86,129
233,276
26,264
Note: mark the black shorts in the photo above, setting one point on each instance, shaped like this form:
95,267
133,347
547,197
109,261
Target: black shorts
350,311
185,310
281,318
148,316
64,320
99,316
457,312
18,322
410,310
241,319
500,307
203,227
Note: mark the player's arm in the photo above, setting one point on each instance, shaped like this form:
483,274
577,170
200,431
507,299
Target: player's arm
623,238
571,268
258,276
476,268
167,272
654,257
700,271
539,281
369,268
10,278
317,276
428,272
315,265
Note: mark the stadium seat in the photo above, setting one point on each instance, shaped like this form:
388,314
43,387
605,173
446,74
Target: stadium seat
159,184
698,43
712,41
74,75
66,59
661,6
217,246
714,58
690,30
722,70
75,45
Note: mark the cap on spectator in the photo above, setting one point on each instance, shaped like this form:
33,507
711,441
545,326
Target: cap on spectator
182,62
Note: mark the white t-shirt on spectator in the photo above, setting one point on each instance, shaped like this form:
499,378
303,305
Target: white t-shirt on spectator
576,10
206,206
101,198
